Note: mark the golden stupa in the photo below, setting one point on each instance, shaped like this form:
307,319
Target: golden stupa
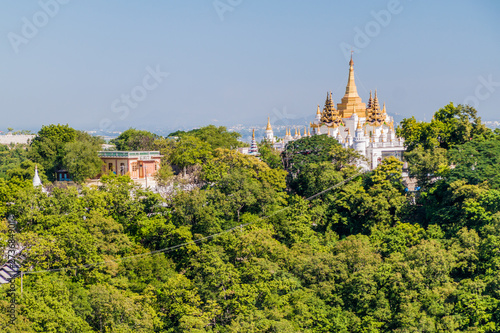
351,102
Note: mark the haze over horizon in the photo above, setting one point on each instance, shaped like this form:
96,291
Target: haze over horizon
175,64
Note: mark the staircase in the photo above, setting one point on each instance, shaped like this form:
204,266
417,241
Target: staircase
8,271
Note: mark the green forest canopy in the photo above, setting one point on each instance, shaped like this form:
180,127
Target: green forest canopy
365,257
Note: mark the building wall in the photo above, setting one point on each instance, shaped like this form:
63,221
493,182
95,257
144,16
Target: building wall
134,167
114,165
15,139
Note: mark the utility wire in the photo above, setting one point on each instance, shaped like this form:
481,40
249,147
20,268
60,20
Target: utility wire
171,248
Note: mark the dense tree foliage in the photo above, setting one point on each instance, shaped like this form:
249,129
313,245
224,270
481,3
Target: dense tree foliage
270,155
306,150
450,126
135,140
81,159
11,158
47,148
216,137
245,250
189,150
59,147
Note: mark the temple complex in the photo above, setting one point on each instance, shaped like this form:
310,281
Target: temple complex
366,128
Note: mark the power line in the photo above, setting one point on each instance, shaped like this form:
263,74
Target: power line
171,248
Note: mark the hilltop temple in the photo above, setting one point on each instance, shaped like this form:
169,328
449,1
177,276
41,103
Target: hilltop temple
366,128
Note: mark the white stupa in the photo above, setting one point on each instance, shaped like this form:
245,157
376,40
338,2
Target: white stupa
36,179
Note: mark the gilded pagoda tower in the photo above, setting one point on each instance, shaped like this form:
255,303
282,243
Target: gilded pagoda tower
372,129
330,116
351,102
375,116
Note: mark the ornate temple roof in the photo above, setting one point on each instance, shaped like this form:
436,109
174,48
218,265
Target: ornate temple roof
351,102
268,128
375,116
330,116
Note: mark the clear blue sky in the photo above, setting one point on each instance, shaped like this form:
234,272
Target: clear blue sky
262,58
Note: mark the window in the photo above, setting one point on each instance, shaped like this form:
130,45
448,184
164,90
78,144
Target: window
134,166
122,168
110,166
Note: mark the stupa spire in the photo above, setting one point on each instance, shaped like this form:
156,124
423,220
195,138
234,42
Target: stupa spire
253,146
375,101
268,128
36,179
351,102
370,101
351,90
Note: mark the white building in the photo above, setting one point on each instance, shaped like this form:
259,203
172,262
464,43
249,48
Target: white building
365,128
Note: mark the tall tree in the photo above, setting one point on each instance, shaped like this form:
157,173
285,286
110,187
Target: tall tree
450,126
216,137
81,160
270,155
190,150
299,153
133,139
476,161
47,148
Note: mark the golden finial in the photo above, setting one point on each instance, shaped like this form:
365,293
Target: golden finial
359,124
305,130
308,132
351,89
318,112
383,109
268,128
253,134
